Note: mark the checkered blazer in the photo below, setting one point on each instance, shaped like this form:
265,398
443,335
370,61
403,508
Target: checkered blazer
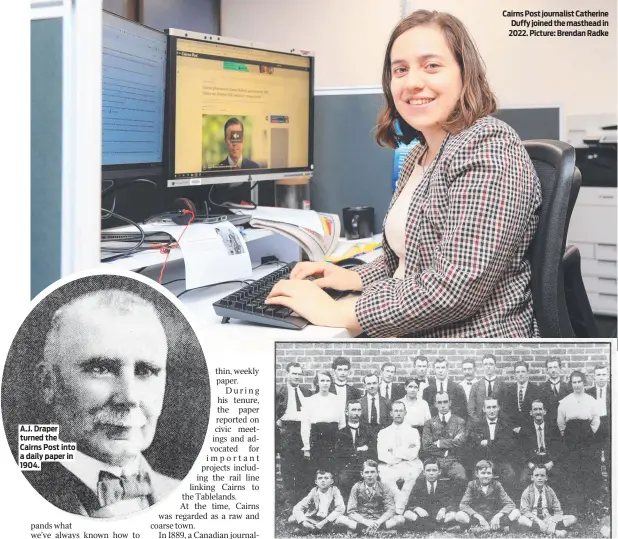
469,225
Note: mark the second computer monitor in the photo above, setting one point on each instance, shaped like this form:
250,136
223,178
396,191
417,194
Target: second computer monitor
236,111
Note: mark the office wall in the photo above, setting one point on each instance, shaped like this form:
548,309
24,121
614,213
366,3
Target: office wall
349,37
196,15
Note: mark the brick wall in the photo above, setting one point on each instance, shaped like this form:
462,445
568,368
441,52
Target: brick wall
369,356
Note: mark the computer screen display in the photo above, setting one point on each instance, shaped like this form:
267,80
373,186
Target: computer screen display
237,112
134,72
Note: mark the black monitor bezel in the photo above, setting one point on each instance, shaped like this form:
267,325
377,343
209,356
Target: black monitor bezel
140,170
219,176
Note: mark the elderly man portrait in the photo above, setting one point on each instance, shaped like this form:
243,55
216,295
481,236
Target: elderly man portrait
102,376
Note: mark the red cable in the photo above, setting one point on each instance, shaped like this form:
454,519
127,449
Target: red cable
167,250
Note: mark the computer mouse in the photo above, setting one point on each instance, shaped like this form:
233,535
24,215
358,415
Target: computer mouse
348,263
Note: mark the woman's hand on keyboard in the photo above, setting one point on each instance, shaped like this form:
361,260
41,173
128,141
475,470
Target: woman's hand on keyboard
311,302
328,275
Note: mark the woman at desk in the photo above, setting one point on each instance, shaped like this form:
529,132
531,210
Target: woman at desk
456,236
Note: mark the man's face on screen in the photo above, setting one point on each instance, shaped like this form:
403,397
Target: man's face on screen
234,141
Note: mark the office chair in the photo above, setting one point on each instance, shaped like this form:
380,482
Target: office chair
578,305
554,162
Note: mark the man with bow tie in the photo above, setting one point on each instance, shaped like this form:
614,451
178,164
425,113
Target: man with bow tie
468,368
103,375
288,413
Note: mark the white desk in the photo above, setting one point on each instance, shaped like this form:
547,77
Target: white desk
199,301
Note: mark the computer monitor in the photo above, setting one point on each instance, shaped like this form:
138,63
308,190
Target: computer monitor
134,72
237,111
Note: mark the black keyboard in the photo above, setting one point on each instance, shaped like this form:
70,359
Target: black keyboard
248,303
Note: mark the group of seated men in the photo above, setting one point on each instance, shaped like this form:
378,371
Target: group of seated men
482,429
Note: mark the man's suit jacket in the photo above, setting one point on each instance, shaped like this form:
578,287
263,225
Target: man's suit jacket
603,432
452,438
384,409
554,446
456,394
346,449
352,393
246,164
509,405
67,492
552,400
420,497
281,399
397,392
478,393
502,449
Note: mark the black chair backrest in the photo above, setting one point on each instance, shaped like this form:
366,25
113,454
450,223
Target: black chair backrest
554,162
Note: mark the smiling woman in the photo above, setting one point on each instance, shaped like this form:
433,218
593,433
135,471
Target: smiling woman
457,233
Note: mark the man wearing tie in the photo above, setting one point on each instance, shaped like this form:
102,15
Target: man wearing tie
342,390
389,389
356,442
489,386
376,410
288,412
102,377
516,398
541,443
444,438
421,364
441,383
554,388
601,392
468,368
492,438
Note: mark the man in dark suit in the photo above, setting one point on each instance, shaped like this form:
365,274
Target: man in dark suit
432,503
488,386
376,410
554,389
288,413
444,438
468,367
441,383
517,397
601,392
234,134
102,377
356,442
421,365
345,392
541,443
389,389
492,438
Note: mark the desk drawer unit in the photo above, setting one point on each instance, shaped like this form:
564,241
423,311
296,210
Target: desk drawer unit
593,231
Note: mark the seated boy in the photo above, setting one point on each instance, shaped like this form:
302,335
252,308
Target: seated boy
431,502
485,502
372,504
322,508
540,507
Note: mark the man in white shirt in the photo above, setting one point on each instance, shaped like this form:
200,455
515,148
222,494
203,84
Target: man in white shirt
289,401
103,377
468,368
398,447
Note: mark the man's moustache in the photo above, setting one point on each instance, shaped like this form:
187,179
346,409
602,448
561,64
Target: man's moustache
132,419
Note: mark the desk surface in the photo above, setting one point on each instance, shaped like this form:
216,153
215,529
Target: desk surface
199,301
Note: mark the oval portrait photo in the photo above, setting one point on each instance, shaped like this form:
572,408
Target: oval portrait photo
105,395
